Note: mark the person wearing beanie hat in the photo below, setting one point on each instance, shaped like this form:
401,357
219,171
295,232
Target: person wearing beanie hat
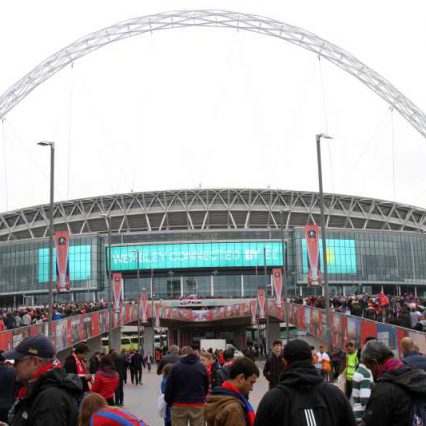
302,397
48,396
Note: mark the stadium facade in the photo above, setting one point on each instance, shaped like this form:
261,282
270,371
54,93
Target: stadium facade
213,243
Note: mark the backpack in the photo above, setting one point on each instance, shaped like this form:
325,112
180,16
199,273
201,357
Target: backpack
113,417
306,408
219,375
418,416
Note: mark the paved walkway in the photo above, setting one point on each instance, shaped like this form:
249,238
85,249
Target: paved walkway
142,400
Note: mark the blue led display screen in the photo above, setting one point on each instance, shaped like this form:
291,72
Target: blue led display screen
79,261
341,256
197,255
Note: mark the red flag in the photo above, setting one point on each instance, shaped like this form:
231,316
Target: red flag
157,307
62,239
311,235
143,306
261,301
278,285
117,279
253,308
383,300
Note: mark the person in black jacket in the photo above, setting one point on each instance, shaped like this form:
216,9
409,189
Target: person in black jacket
118,361
302,398
49,396
171,358
8,388
75,364
411,356
397,387
274,364
187,387
136,362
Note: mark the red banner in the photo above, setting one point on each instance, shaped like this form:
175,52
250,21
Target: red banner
278,285
117,279
143,306
253,309
261,301
312,239
62,239
157,306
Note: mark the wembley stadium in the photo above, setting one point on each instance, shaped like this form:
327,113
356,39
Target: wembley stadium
212,243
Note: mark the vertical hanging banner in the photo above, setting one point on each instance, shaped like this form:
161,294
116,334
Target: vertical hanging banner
62,239
143,306
261,301
278,286
253,309
312,240
157,306
117,280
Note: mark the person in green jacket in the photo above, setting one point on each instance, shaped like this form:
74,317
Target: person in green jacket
351,366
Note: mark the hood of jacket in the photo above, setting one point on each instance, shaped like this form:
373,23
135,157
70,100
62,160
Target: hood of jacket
300,375
109,374
220,399
412,380
189,359
59,378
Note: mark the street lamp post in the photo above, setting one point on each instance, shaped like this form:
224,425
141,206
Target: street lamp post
107,216
285,276
267,306
51,230
324,236
138,272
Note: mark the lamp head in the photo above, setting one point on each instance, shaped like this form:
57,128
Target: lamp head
324,136
46,143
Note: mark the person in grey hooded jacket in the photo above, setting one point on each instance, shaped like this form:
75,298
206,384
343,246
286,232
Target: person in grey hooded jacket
397,387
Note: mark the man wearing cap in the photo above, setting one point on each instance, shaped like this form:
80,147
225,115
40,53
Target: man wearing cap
49,397
302,397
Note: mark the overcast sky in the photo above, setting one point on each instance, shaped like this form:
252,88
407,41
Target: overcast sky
212,107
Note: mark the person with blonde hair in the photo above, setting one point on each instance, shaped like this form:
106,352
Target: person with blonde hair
96,412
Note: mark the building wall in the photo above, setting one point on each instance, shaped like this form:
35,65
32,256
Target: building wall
367,258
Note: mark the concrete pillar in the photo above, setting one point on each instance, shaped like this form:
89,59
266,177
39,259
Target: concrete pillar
273,333
115,339
148,339
95,345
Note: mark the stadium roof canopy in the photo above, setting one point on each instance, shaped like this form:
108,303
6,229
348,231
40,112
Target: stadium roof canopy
207,209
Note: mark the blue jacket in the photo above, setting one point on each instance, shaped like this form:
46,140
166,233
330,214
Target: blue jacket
8,387
415,360
168,417
188,382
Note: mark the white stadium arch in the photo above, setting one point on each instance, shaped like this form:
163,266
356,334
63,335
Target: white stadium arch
219,19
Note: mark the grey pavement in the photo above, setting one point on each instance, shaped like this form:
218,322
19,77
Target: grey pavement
141,400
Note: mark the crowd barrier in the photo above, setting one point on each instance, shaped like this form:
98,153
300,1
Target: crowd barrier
344,328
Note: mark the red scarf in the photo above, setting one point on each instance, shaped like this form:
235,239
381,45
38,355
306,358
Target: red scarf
81,368
389,365
24,390
247,406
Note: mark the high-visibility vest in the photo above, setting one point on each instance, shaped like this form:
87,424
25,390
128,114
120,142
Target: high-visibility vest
351,365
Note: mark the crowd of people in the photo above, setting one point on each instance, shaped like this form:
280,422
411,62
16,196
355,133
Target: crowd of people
366,386
26,316
405,311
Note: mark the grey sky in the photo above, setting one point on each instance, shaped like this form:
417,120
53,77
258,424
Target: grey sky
212,107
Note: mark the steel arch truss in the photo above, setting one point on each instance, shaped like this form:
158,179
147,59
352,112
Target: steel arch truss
220,19
209,209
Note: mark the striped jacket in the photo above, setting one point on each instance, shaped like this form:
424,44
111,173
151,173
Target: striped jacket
362,382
